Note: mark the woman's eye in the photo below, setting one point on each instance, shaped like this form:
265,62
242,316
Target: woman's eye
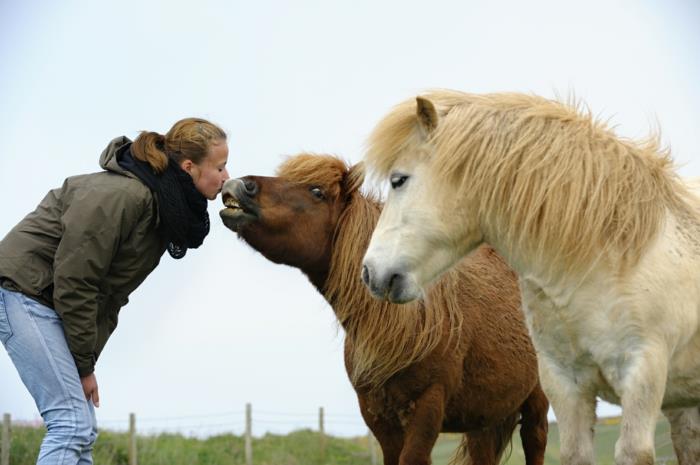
398,180
317,192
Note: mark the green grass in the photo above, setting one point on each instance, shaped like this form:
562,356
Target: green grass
297,448
605,436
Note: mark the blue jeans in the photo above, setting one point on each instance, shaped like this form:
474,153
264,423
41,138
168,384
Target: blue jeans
33,336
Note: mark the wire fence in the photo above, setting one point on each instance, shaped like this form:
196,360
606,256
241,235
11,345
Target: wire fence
234,421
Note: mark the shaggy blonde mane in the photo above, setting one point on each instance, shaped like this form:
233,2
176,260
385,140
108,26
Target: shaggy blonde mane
384,338
552,181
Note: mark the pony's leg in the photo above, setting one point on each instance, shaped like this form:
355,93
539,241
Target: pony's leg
389,435
574,406
424,427
486,447
481,448
391,444
641,392
685,433
534,426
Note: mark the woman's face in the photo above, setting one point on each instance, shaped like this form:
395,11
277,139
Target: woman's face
209,175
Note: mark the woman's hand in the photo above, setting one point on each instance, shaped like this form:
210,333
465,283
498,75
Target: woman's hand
89,383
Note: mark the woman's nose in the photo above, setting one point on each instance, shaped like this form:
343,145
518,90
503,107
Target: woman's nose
225,175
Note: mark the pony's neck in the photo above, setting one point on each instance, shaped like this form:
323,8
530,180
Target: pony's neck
545,270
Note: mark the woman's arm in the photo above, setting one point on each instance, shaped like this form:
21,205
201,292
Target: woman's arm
94,221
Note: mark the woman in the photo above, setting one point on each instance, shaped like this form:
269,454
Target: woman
68,267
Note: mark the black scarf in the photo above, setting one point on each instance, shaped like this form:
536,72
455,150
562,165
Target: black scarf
184,221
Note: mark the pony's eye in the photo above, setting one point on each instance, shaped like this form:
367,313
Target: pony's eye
398,180
317,192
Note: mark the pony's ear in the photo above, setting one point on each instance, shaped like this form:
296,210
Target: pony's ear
354,178
427,114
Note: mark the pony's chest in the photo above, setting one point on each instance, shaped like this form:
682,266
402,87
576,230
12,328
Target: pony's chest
567,329
397,407
390,404
571,340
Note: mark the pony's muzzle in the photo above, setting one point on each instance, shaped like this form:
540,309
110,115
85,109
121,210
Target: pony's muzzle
238,196
389,284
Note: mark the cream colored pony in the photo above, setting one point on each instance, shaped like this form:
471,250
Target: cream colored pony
605,238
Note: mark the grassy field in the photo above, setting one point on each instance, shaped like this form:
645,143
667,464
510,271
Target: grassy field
297,448
606,434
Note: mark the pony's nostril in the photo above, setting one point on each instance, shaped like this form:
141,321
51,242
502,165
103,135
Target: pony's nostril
251,187
365,275
395,278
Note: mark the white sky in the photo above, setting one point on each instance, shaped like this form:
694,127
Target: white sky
222,327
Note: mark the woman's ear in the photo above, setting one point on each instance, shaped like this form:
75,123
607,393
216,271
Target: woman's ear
186,165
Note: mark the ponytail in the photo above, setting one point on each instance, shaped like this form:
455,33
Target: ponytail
188,139
148,147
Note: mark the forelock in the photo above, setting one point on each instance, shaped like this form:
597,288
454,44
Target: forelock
324,171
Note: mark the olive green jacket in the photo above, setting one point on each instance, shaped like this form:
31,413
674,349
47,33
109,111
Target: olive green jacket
84,249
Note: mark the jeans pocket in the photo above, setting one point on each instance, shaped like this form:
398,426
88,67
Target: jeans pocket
5,328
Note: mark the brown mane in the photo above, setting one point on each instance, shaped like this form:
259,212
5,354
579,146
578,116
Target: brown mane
385,337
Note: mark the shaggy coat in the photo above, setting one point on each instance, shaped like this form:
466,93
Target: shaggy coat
459,361
602,233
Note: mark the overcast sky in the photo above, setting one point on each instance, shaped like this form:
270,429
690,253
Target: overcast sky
204,335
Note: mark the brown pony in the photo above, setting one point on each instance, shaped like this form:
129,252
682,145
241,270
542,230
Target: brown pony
460,361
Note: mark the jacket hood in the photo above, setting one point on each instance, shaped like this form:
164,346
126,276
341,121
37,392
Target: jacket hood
108,159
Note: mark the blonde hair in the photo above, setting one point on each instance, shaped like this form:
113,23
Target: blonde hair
559,183
188,139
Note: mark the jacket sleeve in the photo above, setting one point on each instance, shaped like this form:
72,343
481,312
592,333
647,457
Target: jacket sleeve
94,223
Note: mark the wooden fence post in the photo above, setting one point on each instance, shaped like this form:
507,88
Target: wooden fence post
5,451
372,448
133,460
322,432
248,434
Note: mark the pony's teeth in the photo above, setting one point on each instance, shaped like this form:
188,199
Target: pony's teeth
230,203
